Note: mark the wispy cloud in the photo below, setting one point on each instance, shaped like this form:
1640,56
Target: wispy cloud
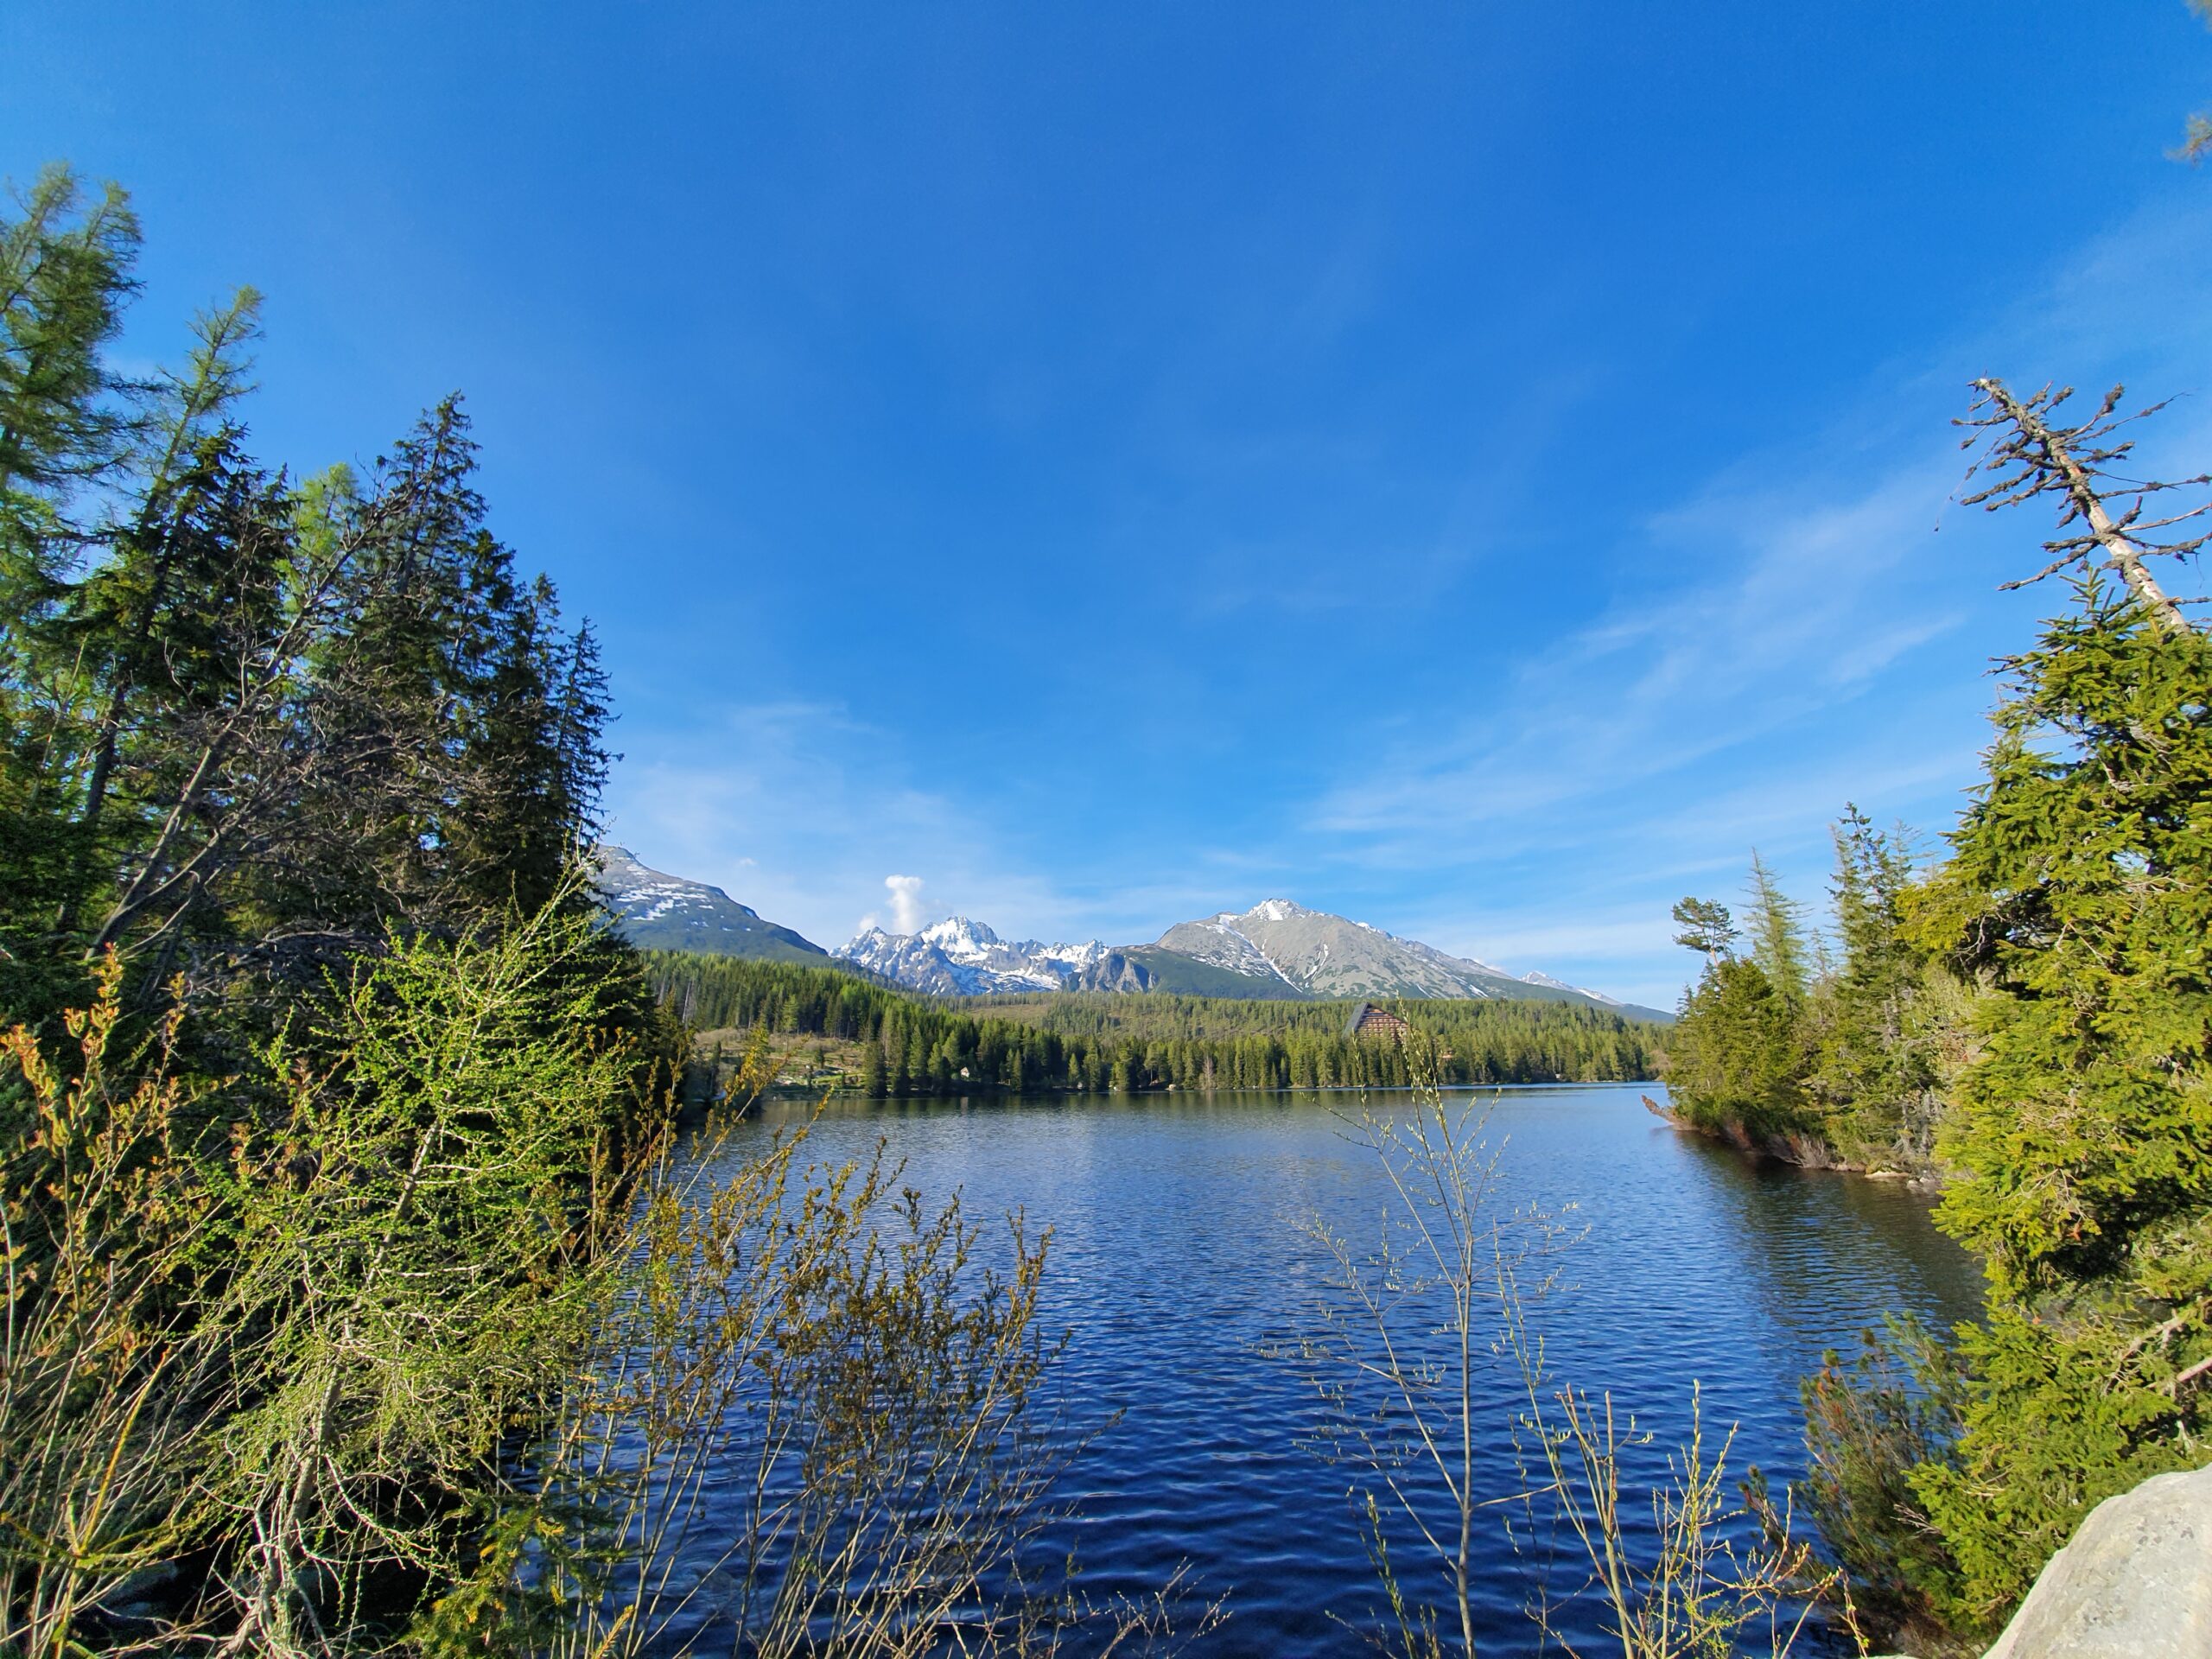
1793,608
1810,624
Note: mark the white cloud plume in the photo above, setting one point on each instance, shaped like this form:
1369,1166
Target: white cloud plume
905,902
795,808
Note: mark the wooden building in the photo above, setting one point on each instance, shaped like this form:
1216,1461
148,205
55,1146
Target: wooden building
1368,1021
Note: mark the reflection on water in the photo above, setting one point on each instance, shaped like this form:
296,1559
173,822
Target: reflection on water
1178,1259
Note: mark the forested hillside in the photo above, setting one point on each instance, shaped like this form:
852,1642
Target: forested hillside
1106,1041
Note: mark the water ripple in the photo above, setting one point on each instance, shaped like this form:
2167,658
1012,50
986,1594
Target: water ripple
1177,1260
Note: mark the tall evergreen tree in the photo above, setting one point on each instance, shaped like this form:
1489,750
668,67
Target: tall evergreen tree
1778,938
126,617
67,271
2079,891
67,268
1880,1018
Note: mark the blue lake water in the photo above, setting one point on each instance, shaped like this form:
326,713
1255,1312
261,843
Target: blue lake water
1178,1263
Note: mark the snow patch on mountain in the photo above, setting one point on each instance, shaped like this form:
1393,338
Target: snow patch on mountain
1579,990
960,957
1222,944
1324,954
657,910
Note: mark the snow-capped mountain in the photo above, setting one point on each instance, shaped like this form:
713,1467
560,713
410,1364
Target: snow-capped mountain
657,911
1275,948
960,957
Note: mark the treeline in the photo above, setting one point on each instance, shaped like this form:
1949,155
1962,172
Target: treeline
1100,1042
2028,1015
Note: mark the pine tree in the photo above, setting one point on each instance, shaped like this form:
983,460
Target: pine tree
1707,928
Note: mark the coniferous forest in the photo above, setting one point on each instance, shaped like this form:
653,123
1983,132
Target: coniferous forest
1099,1041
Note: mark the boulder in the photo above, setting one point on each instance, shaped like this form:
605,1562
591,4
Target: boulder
2135,1581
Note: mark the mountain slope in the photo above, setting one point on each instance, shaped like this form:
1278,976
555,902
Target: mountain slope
657,911
1151,968
1278,944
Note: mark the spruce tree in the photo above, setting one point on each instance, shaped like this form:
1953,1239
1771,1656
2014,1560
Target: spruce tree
2078,894
1876,1027
1777,936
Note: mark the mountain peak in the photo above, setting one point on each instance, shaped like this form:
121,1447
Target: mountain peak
657,911
960,957
959,931
1279,942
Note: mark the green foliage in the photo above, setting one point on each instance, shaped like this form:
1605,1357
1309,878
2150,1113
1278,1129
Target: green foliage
1103,1040
1707,928
1869,1424
1777,934
1736,1058
2080,886
2041,1001
328,1092
246,726
110,1378
67,269
2079,891
1881,1022
422,1264
283,1324
1830,1053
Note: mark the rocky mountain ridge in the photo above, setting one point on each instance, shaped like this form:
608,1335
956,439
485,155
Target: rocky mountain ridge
657,911
960,957
1276,948
1326,955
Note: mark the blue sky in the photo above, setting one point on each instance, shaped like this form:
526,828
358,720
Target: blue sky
1480,467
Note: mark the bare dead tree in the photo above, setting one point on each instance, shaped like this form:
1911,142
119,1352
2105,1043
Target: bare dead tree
2100,512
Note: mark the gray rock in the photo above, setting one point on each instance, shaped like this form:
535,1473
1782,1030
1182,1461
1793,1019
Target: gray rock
2135,1582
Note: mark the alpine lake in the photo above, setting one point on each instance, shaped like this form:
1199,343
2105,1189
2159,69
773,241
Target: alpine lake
1183,1272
